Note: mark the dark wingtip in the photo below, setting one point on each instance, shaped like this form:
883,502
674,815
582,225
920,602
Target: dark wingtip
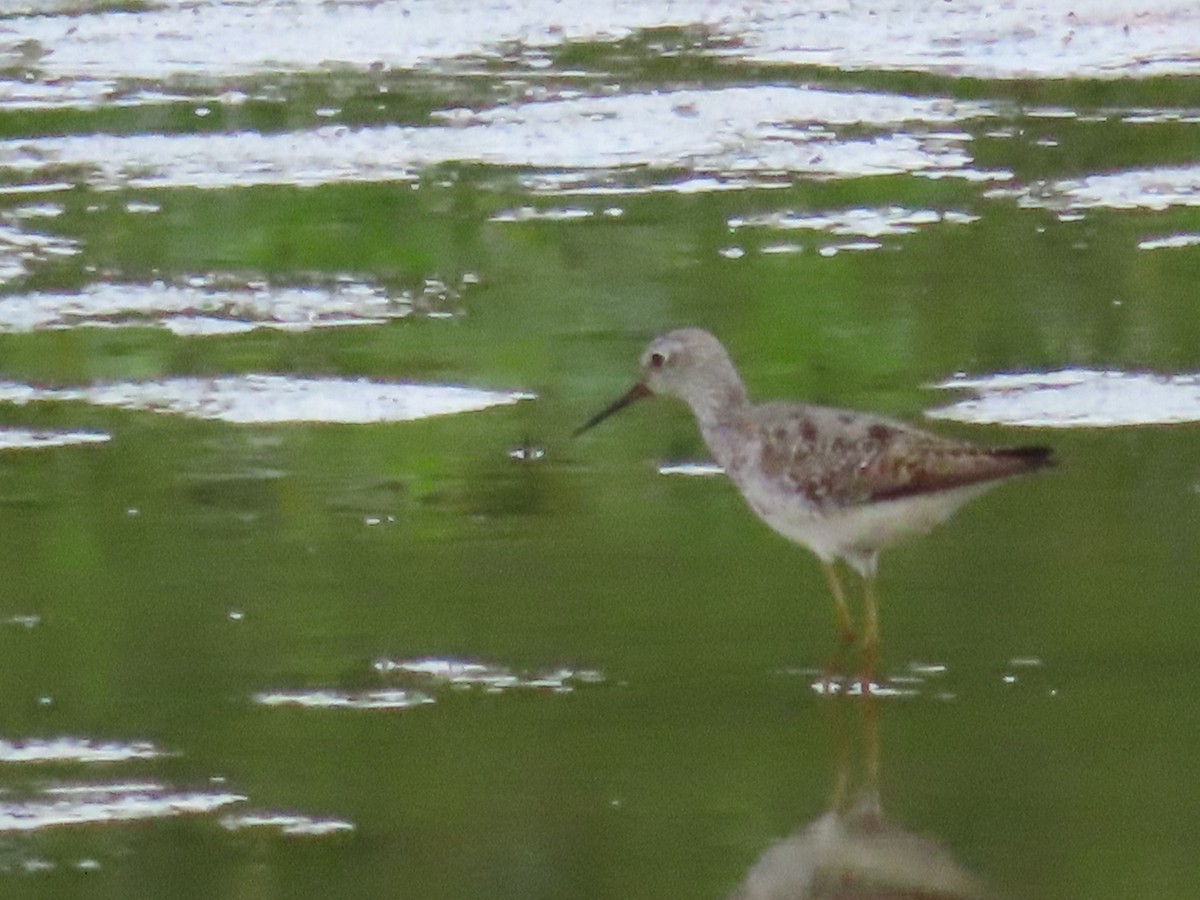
1033,457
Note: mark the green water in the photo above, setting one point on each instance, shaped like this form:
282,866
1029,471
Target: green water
183,568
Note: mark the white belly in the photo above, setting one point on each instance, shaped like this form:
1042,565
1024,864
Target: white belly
857,533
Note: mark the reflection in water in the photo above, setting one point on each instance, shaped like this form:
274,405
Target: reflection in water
852,850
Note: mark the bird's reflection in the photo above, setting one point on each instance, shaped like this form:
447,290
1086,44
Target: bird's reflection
852,851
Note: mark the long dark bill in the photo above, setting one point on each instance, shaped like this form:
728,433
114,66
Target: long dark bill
637,392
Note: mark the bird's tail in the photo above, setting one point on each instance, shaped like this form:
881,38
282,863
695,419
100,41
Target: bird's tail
1033,457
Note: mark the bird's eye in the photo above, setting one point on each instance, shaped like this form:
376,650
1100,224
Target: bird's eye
657,360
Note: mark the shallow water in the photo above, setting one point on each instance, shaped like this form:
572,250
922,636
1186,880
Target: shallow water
309,593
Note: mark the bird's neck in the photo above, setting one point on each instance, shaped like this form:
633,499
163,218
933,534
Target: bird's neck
718,401
719,410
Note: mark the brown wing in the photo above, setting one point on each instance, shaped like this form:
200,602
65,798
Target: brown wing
943,469
845,458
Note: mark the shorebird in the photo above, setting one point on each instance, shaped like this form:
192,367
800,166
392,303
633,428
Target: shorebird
844,484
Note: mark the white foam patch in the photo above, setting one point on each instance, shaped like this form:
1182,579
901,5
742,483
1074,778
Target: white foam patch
693,469
74,750
81,94
35,211
532,214
863,221
849,246
1170,242
330,699
584,184
27,439
1154,189
206,307
423,677
735,130
1075,398
489,677
894,688
274,399
21,251
1161,117
1015,39
291,825
104,804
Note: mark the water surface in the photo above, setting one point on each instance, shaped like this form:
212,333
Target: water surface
309,593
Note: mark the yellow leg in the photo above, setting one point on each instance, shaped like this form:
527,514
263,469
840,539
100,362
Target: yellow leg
871,623
841,610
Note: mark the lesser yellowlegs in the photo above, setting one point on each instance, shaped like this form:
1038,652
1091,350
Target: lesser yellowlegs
845,484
